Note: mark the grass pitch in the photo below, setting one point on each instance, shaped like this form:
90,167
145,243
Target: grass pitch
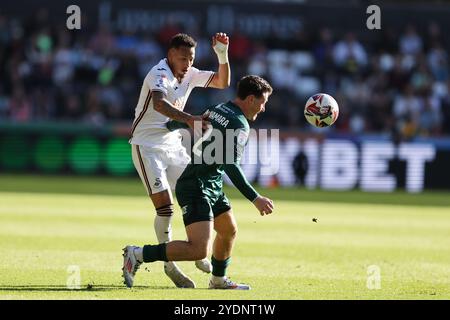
48,224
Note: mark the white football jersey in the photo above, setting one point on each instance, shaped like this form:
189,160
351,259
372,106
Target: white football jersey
149,126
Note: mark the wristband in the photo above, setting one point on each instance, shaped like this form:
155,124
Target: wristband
221,50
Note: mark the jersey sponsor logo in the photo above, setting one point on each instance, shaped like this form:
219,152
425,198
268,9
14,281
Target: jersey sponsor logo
225,109
220,119
161,80
184,210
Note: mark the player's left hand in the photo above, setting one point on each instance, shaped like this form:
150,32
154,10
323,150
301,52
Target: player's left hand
220,37
264,205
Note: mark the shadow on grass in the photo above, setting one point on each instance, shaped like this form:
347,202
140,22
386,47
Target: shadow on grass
88,288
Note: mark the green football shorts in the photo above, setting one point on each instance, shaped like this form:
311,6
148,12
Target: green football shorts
196,206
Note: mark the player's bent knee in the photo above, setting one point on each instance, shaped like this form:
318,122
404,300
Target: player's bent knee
199,235
231,233
199,251
228,232
200,255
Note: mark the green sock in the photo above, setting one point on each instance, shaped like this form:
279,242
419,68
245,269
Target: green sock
219,266
154,253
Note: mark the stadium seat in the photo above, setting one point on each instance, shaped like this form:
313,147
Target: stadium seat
303,61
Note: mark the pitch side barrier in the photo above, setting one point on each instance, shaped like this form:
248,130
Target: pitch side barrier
271,158
373,163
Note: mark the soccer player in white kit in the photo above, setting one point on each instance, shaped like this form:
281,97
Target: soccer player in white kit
158,155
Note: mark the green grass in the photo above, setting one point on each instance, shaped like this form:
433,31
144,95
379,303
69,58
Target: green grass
48,223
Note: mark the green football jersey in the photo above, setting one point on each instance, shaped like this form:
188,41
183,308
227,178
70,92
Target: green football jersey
219,152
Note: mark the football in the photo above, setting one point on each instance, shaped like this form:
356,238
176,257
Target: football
321,110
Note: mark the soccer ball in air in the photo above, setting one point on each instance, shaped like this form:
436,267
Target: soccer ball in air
321,110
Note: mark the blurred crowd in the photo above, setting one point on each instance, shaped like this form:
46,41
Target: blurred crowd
397,83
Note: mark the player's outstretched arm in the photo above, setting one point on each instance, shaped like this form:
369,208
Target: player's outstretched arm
234,172
173,125
162,105
263,204
222,77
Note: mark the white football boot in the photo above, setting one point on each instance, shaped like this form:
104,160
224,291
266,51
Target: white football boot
204,265
177,276
226,283
130,265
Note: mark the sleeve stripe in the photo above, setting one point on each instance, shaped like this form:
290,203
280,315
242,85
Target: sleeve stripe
210,79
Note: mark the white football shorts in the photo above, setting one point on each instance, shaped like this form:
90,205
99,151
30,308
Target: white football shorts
158,168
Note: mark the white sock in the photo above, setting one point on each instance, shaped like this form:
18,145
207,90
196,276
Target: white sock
218,280
139,254
163,231
163,228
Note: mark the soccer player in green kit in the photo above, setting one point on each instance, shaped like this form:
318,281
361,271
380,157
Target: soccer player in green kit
199,189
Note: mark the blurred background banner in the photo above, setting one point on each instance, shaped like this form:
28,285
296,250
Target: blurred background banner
67,97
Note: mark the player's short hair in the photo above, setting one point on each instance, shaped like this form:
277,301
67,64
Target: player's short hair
252,85
182,40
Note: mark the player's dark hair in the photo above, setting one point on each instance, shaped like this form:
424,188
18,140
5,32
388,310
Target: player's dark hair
252,85
182,40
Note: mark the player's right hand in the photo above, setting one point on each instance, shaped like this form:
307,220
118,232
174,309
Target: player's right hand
264,205
198,123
